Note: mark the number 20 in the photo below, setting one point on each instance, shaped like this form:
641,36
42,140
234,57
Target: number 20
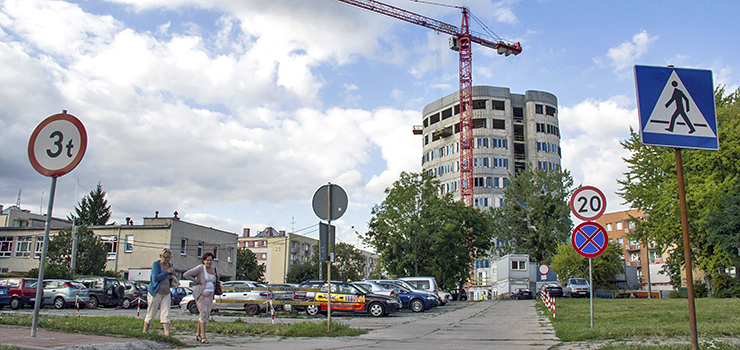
594,204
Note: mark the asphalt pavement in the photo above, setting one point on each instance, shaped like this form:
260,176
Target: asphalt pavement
495,324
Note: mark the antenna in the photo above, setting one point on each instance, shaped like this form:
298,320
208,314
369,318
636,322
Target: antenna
18,202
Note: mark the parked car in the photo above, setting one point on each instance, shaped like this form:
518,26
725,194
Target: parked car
428,284
105,291
22,291
412,300
4,296
178,293
347,298
373,287
134,294
554,289
63,293
306,292
521,293
283,292
577,287
248,296
459,294
409,287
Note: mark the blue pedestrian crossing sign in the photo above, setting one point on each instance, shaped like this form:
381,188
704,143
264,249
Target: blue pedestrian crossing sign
676,107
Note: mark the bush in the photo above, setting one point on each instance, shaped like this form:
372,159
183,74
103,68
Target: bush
51,272
724,286
700,289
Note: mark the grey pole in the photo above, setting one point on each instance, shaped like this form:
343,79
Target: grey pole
591,286
42,262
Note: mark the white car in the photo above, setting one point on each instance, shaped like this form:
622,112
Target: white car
236,296
428,284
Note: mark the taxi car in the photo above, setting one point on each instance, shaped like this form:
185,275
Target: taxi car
348,298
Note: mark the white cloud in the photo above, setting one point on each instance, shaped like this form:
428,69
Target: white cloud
591,134
624,55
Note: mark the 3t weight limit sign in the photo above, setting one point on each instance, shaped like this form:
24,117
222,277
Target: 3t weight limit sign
588,203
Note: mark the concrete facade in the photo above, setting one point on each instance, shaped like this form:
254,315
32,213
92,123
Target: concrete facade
270,247
511,132
515,271
137,246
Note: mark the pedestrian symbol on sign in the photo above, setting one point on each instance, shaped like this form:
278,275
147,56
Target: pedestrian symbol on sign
676,101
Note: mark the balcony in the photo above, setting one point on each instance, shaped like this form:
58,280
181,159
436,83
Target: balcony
444,132
632,247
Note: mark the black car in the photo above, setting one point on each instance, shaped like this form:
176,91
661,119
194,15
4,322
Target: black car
104,291
347,298
521,293
554,289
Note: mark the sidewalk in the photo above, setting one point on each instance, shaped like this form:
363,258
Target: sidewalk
20,338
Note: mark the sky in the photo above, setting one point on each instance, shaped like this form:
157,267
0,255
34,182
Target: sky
234,112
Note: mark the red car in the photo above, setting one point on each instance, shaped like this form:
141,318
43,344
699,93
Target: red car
22,291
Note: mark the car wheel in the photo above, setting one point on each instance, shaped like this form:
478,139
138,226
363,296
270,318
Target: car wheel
192,307
15,304
377,309
416,305
312,310
94,301
252,309
126,303
59,303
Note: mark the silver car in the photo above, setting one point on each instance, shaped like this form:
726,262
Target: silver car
237,295
372,287
63,293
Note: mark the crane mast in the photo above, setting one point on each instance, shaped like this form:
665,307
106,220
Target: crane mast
462,41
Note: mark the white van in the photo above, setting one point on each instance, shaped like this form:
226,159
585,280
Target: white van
428,284
186,283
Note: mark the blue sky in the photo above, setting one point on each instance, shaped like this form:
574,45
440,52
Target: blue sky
233,112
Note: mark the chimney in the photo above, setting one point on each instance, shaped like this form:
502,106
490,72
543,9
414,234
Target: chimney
1,208
246,232
156,214
282,233
175,213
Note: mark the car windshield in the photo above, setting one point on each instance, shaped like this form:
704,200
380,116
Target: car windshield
366,287
579,281
77,285
31,284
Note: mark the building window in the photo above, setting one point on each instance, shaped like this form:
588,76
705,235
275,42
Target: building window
264,243
619,225
500,163
183,246
6,246
634,257
655,256
498,105
630,224
539,109
129,245
111,245
608,227
39,247
482,142
263,256
541,127
215,252
230,258
479,104
23,246
550,111
481,162
479,123
498,124
200,250
518,265
620,241
481,202
500,143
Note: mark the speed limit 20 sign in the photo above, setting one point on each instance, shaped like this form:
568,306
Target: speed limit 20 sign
588,203
57,145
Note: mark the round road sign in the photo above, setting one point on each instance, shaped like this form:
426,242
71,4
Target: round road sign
57,145
589,239
588,203
544,269
322,202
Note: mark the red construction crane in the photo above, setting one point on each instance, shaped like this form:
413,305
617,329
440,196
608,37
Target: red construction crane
461,41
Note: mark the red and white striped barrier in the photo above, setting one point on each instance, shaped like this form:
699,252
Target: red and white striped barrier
549,301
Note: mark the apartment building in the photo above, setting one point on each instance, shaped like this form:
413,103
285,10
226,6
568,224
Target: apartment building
511,132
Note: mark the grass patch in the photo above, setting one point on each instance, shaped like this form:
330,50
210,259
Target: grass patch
130,327
625,319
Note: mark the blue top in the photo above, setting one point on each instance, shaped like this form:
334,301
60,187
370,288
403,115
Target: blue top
156,276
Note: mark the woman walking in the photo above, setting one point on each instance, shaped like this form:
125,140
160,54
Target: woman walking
205,278
161,279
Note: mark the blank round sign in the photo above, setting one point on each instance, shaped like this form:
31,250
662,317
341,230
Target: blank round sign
57,145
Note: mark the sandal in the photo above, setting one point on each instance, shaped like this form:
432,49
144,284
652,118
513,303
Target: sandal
204,340
198,338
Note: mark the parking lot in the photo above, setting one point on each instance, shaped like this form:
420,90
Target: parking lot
495,324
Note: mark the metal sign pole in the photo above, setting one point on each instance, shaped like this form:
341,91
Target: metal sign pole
687,251
328,263
591,286
42,262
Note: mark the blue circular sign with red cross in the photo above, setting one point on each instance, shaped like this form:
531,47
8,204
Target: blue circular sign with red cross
589,239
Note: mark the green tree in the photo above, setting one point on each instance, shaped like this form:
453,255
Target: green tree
650,184
247,267
723,227
418,232
535,217
91,257
349,263
302,272
569,264
93,209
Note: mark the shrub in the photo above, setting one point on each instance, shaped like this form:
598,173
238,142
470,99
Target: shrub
724,286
